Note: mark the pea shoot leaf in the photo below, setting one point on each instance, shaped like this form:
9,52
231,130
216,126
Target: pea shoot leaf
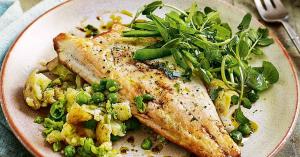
256,80
245,22
198,19
191,12
199,43
263,32
148,9
240,117
265,42
243,48
159,22
270,72
208,10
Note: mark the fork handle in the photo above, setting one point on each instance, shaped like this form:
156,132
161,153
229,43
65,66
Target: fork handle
292,33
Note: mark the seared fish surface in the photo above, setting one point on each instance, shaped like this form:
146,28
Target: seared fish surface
182,111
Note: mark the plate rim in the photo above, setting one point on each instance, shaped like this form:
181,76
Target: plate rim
36,152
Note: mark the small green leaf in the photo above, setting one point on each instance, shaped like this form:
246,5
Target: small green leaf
198,19
213,17
270,72
234,99
257,51
256,80
252,96
208,10
265,42
263,32
240,117
243,48
152,7
253,34
174,16
161,27
245,22
192,12
222,32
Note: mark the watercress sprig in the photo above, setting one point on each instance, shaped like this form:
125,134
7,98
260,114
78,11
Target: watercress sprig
201,43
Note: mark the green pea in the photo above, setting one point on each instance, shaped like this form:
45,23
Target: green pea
39,120
234,99
102,85
113,97
245,129
98,97
56,146
246,103
69,151
140,105
253,96
146,144
90,124
82,98
148,97
236,136
96,87
57,110
112,85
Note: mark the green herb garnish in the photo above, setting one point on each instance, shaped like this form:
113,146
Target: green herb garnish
201,43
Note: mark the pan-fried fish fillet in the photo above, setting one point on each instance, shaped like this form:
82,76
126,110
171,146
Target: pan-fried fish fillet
186,116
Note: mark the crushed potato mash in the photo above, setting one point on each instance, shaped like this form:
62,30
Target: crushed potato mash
78,119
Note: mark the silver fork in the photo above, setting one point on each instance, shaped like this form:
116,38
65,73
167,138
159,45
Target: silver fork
274,11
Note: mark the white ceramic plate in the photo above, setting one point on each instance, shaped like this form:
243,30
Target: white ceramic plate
276,111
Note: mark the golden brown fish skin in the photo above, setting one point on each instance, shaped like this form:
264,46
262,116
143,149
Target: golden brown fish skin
187,118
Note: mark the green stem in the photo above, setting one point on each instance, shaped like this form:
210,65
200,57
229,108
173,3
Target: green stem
175,8
251,48
223,75
219,69
242,86
231,75
203,25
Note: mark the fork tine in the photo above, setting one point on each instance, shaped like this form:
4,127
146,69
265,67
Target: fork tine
278,4
259,7
268,4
